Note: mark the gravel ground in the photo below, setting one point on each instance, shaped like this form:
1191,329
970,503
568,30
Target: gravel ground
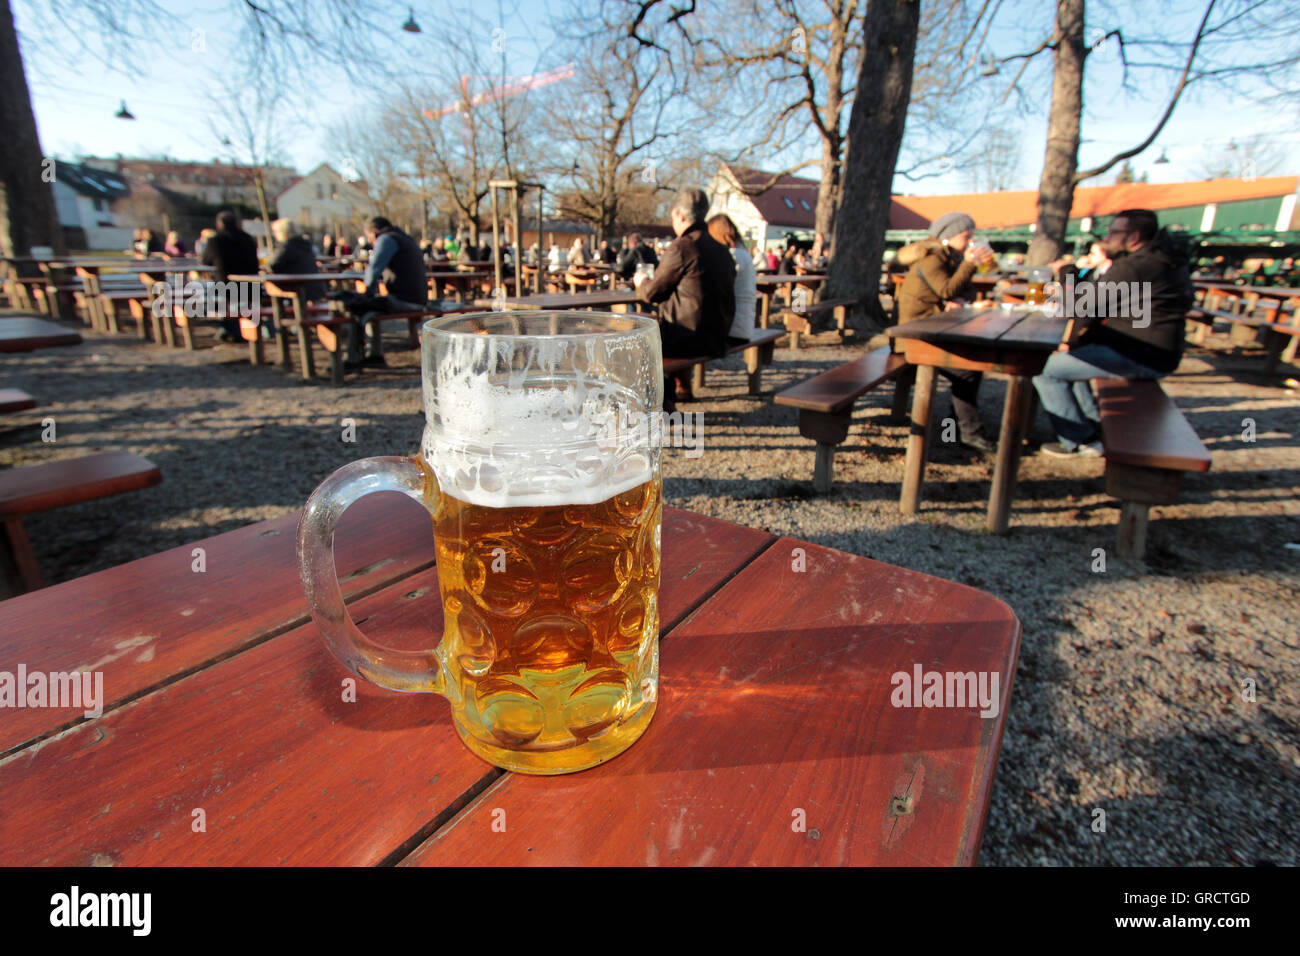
1128,696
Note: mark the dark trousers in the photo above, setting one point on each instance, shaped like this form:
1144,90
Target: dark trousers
679,342
368,308
965,398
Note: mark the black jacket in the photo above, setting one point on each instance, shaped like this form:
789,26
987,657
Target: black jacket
297,257
1156,339
231,253
696,284
629,258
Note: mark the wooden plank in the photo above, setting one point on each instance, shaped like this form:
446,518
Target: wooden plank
35,488
1141,425
776,698
144,622
917,441
284,769
836,388
923,328
15,400
25,334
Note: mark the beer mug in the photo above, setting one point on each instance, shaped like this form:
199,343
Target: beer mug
540,468
989,266
1039,276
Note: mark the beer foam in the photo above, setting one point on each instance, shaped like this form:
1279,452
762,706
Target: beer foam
543,444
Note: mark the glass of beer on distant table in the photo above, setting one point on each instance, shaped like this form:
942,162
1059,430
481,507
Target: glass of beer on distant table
540,468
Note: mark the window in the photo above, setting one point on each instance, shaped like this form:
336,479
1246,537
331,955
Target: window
788,203
99,205
320,191
804,203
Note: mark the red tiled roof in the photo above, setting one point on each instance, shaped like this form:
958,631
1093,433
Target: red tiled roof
1002,209
791,201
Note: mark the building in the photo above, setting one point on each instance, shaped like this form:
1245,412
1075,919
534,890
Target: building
323,201
765,207
1214,211
214,184
85,197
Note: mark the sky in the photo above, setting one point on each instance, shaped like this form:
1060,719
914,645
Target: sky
164,84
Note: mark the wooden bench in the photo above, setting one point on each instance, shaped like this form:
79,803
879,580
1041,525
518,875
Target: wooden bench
13,400
825,403
36,488
798,322
1149,446
758,352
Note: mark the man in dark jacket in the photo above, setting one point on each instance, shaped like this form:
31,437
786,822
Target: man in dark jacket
295,256
634,253
1129,325
231,252
396,258
694,287
939,276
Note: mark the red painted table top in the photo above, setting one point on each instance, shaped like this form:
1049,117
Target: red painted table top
775,740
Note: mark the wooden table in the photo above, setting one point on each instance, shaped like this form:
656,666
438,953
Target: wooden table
1012,342
616,300
462,280
766,286
24,334
774,742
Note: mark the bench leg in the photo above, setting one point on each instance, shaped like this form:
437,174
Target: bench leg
827,429
1288,355
902,391
304,354
1131,539
19,572
754,366
329,340
914,469
1274,343
697,376
1014,412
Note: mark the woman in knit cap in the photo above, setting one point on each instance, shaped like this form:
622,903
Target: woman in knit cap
939,276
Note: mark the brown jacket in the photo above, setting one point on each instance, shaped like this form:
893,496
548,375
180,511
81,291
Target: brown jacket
937,274
696,284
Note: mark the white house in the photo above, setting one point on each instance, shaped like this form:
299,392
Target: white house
82,196
761,214
322,199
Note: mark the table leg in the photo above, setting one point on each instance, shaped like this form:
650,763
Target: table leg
1014,412
918,440
765,305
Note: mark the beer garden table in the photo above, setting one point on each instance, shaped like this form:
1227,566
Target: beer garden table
775,741
615,300
25,334
1013,342
766,286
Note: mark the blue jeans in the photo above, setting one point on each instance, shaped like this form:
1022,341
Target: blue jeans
1065,389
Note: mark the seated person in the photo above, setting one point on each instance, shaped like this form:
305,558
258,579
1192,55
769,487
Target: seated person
694,287
294,255
395,257
939,279
230,251
1131,345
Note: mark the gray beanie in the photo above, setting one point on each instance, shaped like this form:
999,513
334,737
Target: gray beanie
951,223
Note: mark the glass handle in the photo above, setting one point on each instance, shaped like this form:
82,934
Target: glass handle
411,671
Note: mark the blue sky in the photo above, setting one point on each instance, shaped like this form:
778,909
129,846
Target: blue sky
75,96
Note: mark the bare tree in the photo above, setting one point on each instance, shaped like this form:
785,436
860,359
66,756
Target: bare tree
994,164
875,135
616,124
1254,156
1240,46
277,38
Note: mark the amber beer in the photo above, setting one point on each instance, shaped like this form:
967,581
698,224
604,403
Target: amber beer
551,626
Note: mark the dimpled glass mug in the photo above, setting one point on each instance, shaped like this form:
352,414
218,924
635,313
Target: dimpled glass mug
545,497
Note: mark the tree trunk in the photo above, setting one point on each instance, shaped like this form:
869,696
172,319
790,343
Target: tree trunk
1056,188
27,212
875,133
829,189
